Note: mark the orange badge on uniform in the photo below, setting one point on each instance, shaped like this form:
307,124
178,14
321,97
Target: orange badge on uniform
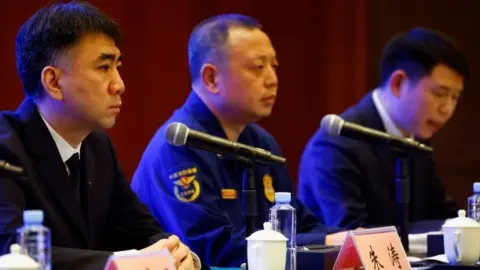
229,194
268,187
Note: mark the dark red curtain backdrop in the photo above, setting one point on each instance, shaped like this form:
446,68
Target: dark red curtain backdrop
328,52
321,46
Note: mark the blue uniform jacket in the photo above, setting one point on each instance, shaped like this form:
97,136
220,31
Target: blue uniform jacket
197,195
351,184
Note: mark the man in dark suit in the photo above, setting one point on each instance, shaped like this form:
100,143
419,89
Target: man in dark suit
351,183
68,61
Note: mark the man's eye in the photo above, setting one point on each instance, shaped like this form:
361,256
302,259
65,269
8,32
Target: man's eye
439,94
105,67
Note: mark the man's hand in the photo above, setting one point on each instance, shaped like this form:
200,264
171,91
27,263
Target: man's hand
157,246
335,239
181,254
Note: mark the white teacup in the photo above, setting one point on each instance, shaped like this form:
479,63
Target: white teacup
15,260
461,240
267,249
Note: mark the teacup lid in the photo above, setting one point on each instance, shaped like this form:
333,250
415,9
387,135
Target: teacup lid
17,260
267,234
461,221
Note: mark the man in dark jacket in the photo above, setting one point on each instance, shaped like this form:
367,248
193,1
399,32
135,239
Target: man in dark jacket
68,60
351,183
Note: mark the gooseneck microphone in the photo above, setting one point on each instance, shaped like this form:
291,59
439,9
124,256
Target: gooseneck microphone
334,125
179,134
5,166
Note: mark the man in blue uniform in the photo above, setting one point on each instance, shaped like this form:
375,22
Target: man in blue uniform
351,183
197,194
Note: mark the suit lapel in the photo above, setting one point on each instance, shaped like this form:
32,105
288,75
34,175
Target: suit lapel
56,177
386,156
50,166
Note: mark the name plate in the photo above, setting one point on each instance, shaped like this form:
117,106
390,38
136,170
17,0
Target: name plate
157,260
372,249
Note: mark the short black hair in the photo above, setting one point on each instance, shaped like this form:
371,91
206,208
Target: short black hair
208,39
51,31
418,51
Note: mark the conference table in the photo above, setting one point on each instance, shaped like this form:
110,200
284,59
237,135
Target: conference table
324,257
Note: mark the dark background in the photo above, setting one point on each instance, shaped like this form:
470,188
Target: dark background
328,52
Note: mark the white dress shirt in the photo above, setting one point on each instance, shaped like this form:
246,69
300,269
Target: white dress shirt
388,123
64,148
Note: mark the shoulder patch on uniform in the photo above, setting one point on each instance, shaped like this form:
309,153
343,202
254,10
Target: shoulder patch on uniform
268,187
186,187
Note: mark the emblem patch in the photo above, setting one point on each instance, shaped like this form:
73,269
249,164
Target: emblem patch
186,188
268,187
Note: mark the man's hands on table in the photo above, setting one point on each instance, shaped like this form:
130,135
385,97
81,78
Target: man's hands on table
180,252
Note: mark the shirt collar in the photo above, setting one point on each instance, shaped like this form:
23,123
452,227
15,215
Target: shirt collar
64,148
388,123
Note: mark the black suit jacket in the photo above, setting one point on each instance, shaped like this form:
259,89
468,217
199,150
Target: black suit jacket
116,219
351,184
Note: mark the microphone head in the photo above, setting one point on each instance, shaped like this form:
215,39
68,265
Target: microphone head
331,124
176,134
10,168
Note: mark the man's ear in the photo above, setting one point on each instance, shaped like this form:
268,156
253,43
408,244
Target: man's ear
50,77
209,76
397,82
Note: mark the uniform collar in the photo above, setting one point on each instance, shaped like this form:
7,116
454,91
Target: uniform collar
200,111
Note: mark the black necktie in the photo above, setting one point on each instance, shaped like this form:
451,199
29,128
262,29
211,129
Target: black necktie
73,164
75,176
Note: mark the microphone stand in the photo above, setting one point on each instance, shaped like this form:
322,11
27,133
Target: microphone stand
402,190
249,193
402,187
249,196
249,201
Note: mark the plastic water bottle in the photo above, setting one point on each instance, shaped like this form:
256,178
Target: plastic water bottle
284,220
34,238
474,203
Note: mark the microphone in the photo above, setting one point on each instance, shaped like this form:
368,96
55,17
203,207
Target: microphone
179,134
334,125
5,166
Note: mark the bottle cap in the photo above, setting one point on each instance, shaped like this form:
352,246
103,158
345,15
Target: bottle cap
283,197
33,216
476,187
